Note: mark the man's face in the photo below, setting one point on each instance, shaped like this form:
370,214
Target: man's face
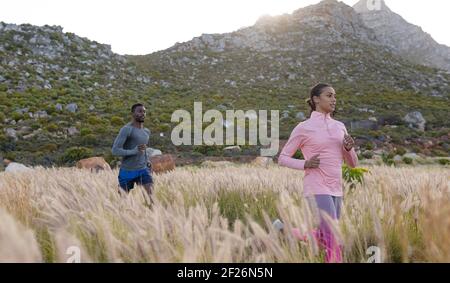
139,114
6,161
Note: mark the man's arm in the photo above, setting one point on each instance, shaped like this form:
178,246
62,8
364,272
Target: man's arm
117,148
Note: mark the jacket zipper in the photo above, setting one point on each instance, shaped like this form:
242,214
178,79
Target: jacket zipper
328,129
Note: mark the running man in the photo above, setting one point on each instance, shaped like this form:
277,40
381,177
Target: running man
131,144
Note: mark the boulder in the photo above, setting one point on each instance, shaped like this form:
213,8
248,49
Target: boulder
11,133
397,159
41,114
72,131
72,107
22,110
153,152
415,120
94,164
413,156
162,163
15,167
364,125
300,116
234,149
262,161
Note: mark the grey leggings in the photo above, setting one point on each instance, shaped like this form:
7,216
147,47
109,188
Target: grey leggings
328,204
332,206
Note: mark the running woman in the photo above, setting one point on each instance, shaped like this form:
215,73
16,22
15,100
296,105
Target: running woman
131,144
325,144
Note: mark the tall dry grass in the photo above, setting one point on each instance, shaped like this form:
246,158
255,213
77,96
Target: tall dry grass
219,215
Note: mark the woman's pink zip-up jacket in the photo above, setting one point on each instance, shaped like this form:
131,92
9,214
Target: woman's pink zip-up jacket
323,135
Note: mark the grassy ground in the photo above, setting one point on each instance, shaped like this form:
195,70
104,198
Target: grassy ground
219,215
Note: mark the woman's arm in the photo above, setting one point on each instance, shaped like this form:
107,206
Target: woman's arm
350,156
289,149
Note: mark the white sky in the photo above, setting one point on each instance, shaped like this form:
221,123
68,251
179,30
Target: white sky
145,26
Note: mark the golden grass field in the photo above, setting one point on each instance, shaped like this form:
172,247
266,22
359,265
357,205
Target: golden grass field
219,215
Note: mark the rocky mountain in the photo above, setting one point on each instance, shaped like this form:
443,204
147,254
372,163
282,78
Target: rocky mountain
329,41
64,97
59,90
404,39
46,58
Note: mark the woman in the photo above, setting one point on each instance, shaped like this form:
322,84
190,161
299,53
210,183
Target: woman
325,144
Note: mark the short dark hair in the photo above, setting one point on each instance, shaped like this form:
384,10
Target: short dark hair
135,106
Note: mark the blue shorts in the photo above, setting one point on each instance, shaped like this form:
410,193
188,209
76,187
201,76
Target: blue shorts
127,178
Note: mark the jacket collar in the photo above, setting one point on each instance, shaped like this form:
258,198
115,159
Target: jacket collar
319,115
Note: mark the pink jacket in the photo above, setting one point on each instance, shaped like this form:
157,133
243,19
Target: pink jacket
323,135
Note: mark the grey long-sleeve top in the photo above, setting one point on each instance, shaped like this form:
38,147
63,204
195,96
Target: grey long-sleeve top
126,145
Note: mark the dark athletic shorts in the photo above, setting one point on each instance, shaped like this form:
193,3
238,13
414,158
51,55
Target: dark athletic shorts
127,178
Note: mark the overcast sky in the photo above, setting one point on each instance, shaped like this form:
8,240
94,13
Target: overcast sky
142,27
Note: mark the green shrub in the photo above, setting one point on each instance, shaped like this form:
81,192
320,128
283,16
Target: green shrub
16,116
407,160
89,140
94,120
369,146
111,159
165,117
51,147
367,154
35,126
353,175
444,161
298,155
74,154
52,127
10,156
400,151
439,153
116,121
50,109
56,37
101,130
85,131
208,149
164,128
416,148
196,154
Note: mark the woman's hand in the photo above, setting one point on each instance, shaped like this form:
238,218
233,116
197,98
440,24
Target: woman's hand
314,162
349,143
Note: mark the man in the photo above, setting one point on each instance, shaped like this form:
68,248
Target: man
131,144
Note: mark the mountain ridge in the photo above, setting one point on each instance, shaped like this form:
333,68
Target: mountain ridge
405,39
48,111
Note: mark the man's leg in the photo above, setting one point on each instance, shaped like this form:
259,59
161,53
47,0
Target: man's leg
149,189
146,180
125,183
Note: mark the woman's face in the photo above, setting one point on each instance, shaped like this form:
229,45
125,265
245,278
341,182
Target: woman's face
326,101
